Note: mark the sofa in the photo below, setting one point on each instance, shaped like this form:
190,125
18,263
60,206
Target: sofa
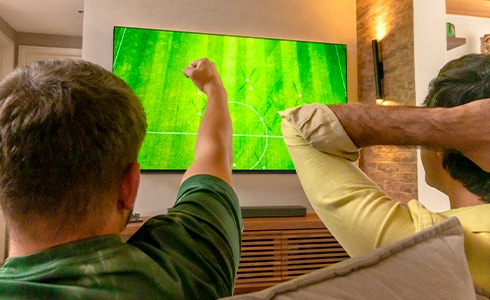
428,265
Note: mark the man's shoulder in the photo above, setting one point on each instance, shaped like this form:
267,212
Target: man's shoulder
205,184
80,263
100,249
204,179
474,218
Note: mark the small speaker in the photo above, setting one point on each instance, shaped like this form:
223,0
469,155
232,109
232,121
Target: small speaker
273,211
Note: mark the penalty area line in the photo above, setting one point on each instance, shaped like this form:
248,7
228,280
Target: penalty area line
235,134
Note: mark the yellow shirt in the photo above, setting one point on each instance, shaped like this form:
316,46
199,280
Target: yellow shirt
358,213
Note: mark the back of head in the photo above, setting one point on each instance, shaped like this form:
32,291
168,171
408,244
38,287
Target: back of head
461,81
69,129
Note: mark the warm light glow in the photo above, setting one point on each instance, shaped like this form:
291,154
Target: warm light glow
380,31
386,102
381,21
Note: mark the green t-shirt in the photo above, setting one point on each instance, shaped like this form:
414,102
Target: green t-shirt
190,253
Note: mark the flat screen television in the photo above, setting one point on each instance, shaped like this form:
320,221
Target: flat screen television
261,75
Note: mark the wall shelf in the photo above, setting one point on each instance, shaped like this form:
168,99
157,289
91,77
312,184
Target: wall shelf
453,42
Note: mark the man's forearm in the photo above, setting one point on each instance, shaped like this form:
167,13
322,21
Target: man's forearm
215,128
369,125
461,128
214,149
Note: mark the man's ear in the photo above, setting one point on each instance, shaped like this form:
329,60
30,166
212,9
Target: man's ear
129,188
440,155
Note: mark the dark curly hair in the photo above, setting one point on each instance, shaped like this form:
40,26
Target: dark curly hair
461,81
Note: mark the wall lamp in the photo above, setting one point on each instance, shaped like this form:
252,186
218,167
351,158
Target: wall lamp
378,72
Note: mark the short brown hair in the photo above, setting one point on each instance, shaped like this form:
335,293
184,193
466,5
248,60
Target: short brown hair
69,130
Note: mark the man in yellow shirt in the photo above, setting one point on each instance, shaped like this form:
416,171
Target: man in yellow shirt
324,143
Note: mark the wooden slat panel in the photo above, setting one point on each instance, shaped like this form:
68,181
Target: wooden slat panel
260,264
308,250
272,277
303,260
252,287
305,263
284,252
260,267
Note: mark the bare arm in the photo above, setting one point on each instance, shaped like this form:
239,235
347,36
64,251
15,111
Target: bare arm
463,128
213,151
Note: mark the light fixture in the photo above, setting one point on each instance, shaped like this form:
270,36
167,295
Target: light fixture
378,72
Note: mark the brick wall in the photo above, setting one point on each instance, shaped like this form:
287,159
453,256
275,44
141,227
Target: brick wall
394,169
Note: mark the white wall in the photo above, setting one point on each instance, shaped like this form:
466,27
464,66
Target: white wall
430,55
471,28
331,21
29,54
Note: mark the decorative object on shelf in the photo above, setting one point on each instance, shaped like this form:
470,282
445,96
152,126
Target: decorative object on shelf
134,217
273,211
485,44
450,30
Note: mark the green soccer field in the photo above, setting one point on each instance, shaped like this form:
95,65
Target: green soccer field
261,76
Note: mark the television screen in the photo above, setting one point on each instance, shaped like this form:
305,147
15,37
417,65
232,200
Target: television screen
261,75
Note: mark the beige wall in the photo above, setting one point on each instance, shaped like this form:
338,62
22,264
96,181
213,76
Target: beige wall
324,21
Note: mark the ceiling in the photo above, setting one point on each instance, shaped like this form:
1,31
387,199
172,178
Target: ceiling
58,17
475,8
62,17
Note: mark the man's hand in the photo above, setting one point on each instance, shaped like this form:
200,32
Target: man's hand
469,127
204,74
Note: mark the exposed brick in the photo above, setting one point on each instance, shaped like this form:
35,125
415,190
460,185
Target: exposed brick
393,168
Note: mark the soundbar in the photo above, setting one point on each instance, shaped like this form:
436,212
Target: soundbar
273,211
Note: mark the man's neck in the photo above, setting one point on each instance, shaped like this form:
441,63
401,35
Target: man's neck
459,196
22,244
23,247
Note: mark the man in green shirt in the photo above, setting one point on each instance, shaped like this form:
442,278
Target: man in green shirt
70,133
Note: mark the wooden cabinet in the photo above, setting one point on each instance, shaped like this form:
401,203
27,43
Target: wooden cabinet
277,249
